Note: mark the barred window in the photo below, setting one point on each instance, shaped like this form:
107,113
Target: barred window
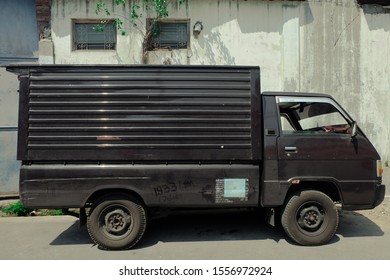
94,35
169,34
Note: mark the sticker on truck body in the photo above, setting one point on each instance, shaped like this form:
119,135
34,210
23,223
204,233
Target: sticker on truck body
229,190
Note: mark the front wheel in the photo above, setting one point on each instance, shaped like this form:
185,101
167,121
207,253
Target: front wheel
116,222
310,218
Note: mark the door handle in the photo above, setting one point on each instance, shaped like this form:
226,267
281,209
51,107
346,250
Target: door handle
290,149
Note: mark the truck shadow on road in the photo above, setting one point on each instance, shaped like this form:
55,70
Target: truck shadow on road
210,226
221,226
354,224
190,226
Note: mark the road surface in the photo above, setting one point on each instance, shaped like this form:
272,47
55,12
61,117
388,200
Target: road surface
233,235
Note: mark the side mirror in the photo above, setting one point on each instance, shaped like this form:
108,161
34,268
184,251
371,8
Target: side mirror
354,131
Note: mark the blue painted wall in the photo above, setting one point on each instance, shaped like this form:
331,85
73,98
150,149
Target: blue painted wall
18,31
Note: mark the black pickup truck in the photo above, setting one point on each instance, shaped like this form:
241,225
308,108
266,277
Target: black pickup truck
118,141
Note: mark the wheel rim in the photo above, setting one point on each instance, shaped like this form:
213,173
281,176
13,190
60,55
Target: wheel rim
115,222
311,217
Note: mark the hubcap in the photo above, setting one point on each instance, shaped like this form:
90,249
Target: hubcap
117,222
310,218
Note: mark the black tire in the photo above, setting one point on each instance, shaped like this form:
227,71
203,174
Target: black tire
116,222
310,218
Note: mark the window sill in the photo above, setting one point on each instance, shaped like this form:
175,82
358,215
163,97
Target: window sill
170,50
93,50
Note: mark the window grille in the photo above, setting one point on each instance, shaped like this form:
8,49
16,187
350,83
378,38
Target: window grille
170,35
88,36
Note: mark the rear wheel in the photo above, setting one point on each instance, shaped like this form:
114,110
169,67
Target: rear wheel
116,221
310,218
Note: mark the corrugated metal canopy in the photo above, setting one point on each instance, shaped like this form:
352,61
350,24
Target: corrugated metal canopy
139,112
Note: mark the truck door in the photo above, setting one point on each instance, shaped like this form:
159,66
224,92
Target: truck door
315,144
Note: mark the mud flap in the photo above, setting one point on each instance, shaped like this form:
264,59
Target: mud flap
270,216
82,217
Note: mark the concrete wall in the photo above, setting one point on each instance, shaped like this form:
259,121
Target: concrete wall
128,47
332,46
18,43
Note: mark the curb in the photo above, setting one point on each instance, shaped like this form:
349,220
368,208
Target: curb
9,196
6,199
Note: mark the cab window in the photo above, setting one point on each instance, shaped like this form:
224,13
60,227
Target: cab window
309,116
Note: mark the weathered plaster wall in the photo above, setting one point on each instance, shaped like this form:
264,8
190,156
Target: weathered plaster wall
374,80
128,47
332,46
344,50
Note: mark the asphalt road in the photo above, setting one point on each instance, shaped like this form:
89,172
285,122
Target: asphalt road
233,235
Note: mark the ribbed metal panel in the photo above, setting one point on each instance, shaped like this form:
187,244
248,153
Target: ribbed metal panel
140,113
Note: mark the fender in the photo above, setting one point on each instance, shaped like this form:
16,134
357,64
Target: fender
274,193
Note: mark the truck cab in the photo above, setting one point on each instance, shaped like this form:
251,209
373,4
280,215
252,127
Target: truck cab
314,151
